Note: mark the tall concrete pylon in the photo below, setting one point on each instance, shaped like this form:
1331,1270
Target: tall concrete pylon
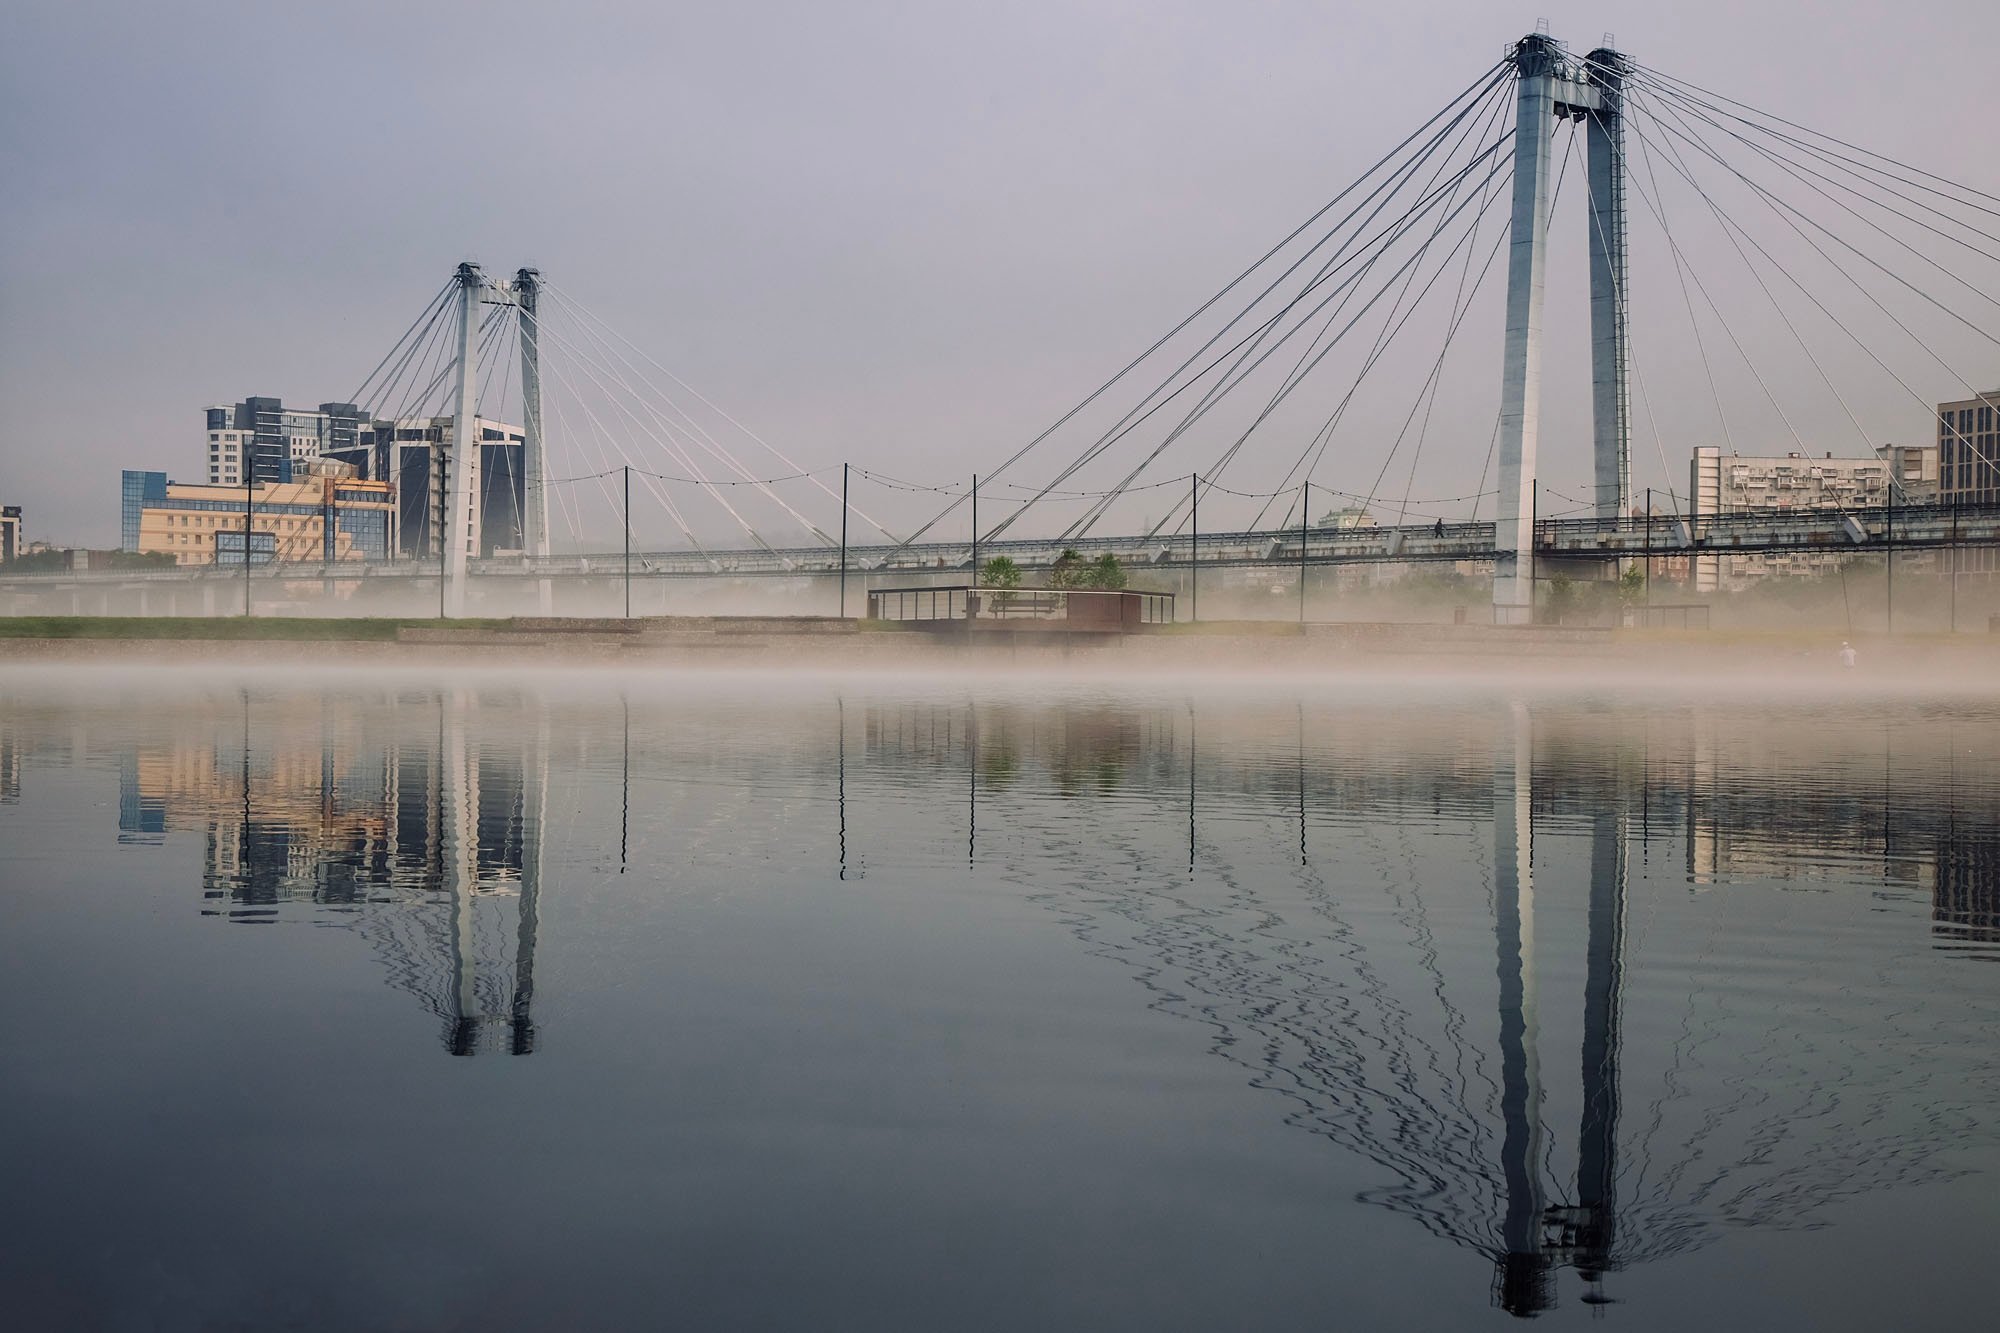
462,466
1549,88
1610,354
527,291
462,460
534,494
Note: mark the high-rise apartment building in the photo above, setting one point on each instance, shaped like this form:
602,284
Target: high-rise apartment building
269,439
12,544
1720,483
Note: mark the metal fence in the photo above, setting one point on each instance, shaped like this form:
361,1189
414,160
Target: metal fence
920,604
1098,606
1693,615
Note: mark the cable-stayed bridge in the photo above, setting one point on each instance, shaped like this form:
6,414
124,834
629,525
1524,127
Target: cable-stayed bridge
1796,293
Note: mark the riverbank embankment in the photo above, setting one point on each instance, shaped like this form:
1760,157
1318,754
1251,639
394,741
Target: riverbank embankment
826,643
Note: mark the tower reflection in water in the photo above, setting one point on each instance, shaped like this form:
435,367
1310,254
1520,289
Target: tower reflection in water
1352,984
391,821
1416,935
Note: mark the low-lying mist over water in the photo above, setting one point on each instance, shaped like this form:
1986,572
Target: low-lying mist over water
440,998
1855,595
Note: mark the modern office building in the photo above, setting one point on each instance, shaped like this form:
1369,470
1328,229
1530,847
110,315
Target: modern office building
12,544
1969,450
271,438
409,454
322,513
1969,469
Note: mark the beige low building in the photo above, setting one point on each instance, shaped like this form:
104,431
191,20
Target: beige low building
325,513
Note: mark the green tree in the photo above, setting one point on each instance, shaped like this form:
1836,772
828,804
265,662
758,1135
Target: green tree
1105,572
1561,599
142,560
1632,585
55,562
1070,570
1003,576
1000,572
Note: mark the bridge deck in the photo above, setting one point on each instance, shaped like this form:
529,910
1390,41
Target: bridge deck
1749,532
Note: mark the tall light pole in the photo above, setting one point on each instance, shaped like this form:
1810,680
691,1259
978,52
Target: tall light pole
1305,509
249,502
1194,547
438,531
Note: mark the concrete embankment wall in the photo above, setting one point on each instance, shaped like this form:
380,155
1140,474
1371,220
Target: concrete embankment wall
829,644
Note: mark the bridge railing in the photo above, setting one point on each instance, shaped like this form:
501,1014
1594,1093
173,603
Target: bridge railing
1928,525
1911,526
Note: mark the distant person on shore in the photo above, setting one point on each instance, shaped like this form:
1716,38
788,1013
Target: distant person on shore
1847,655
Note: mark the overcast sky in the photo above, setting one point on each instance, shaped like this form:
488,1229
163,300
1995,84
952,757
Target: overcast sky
907,235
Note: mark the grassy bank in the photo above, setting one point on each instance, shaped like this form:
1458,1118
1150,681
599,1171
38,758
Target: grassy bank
231,630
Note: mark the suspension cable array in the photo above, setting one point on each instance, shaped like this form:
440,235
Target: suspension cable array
1798,292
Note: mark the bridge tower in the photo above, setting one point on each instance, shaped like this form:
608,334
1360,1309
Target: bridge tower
462,462
534,494
1610,363
1550,86
475,289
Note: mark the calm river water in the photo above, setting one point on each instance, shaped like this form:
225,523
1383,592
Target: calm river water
586,1001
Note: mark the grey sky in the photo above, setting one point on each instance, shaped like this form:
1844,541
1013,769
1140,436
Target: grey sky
908,235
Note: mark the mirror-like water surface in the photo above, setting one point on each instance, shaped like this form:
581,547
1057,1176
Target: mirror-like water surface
586,1001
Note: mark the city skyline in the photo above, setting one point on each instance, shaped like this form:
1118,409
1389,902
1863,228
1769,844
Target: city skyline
960,279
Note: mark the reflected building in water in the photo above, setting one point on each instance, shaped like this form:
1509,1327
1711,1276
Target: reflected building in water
420,837
1542,1074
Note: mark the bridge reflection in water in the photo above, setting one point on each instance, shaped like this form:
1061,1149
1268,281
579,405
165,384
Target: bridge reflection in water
1353,992
1436,969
